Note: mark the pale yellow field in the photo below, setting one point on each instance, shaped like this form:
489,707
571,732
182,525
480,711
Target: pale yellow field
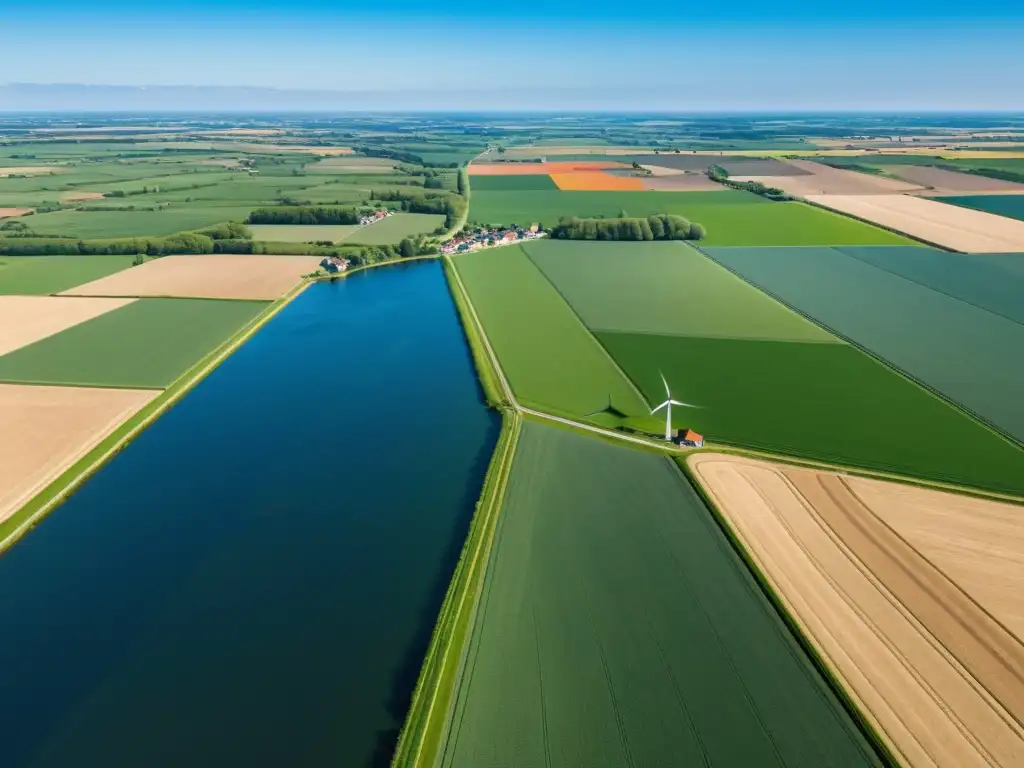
30,170
216,276
44,430
25,320
10,213
940,679
950,226
78,197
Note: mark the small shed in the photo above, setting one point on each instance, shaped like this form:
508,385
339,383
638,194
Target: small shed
690,439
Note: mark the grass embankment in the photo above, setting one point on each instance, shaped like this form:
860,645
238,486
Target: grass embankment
485,372
431,702
63,486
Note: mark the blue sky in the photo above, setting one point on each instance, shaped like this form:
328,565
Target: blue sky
943,54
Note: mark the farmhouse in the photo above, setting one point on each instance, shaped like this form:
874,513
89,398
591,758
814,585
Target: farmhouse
334,264
689,438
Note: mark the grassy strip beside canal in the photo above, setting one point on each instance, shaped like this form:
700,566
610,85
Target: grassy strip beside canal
484,366
428,714
63,486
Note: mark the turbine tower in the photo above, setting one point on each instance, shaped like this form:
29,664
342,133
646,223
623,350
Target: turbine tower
669,402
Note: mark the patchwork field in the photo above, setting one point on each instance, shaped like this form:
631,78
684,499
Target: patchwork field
352,164
395,228
939,181
682,182
902,591
730,217
829,402
597,181
25,320
531,169
819,179
146,344
551,361
1011,206
103,224
513,183
932,336
949,226
618,627
298,233
41,275
663,288
211,276
44,430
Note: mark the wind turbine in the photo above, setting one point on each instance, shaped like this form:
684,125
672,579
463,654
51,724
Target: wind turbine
669,402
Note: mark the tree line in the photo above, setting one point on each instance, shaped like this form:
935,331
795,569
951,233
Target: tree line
657,227
301,214
719,174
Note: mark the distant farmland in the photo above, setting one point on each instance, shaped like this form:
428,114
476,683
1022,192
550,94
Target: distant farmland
550,359
618,627
393,229
107,224
929,334
1001,205
730,218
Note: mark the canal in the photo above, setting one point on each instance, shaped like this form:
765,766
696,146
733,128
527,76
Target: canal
254,580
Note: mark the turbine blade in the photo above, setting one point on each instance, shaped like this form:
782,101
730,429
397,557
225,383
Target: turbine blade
687,405
668,395
661,406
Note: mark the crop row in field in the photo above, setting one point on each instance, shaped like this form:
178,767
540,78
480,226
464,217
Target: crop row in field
146,344
730,218
551,361
966,352
618,627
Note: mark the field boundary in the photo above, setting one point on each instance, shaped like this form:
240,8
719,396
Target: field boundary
882,361
58,491
874,737
921,240
486,373
440,676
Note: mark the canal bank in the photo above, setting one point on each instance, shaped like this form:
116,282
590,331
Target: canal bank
254,580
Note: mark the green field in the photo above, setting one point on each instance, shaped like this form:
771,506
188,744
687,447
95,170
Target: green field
552,362
663,287
1011,206
617,627
394,229
511,183
730,218
822,401
113,224
298,233
148,343
42,275
970,355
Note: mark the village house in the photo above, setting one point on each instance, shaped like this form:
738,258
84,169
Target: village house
334,264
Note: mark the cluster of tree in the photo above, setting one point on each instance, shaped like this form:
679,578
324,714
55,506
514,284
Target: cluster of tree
657,227
719,174
230,230
304,215
189,242
452,207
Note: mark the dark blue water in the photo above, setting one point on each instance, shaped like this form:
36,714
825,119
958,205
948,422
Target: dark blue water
253,582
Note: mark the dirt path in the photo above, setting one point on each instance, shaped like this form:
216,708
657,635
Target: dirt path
859,603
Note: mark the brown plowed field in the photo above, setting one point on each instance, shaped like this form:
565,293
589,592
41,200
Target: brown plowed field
690,182
219,276
949,226
938,181
533,169
44,430
596,181
78,197
824,180
941,681
10,213
25,320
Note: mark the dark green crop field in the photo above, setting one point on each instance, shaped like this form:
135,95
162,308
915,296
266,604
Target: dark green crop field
730,218
511,183
618,627
663,287
42,275
552,362
1011,206
825,401
970,355
148,343
104,224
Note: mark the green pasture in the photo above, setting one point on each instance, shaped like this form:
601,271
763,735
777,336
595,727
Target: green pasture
352,164
551,361
43,275
113,224
730,218
1011,206
822,401
663,287
618,627
146,344
299,233
395,228
334,192
969,354
511,183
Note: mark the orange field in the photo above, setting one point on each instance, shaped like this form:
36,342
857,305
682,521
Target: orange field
596,181
537,169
